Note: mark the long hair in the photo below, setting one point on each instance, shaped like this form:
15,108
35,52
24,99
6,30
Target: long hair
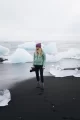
39,52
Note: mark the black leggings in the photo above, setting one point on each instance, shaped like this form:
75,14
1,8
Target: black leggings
37,69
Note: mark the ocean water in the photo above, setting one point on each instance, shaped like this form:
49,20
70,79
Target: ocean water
10,74
61,46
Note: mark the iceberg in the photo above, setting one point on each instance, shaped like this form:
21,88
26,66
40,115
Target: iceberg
67,63
50,48
74,52
29,46
19,56
61,55
76,56
5,97
65,67
63,59
50,58
62,73
4,50
71,53
76,75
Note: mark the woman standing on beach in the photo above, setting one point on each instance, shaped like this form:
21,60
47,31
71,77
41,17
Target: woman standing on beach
39,64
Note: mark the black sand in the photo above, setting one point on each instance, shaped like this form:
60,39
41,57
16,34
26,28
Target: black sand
59,101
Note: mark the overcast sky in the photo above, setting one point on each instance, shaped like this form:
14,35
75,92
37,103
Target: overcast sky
39,19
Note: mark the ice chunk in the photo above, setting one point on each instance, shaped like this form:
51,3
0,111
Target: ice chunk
58,68
5,97
60,56
4,50
62,73
68,63
76,69
20,56
74,51
7,62
50,58
71,53
76,75
50,48
29,46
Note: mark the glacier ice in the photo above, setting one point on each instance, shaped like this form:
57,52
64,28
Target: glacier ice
5,97
29,46
61,58
50,48
62,68
71,53
68,63
3,50
62,73
20,56
76,75
50,58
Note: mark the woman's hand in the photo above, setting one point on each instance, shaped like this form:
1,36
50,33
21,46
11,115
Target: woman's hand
43,67
33,66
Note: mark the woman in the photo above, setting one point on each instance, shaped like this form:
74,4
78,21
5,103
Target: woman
39,63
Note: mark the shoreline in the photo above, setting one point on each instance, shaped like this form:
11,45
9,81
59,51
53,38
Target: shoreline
60,100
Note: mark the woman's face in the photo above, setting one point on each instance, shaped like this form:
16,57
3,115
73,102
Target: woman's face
37,48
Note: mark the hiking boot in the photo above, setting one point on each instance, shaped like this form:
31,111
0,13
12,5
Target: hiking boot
38,85
42,86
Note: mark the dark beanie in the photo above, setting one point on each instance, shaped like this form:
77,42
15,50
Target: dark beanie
38,45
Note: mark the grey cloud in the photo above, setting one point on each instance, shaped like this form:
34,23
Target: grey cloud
38,19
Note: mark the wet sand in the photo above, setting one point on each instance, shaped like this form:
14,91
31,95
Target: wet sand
60,100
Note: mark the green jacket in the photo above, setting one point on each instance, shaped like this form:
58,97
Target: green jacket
39,60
